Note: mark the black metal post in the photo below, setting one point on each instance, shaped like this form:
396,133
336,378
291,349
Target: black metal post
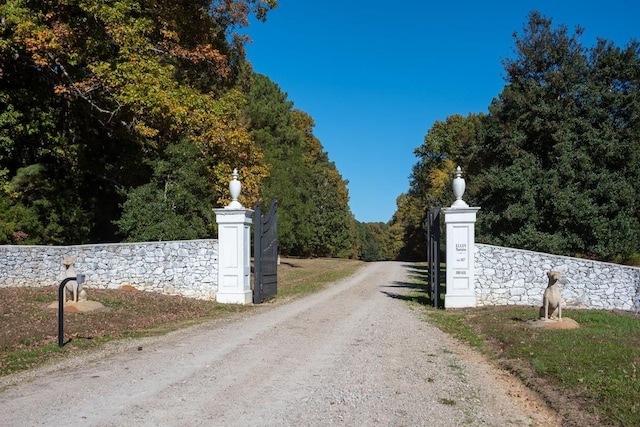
80,279
436,249
433,253
257,254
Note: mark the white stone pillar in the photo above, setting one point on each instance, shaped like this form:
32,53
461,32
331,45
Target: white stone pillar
234,249
460,222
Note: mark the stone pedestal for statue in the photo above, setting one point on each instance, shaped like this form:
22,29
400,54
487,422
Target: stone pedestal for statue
565,323
460,222
234,253
85,306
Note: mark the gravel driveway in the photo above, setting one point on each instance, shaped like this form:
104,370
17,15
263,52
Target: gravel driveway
354,354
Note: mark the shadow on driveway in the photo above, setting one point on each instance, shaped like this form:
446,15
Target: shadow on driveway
417,290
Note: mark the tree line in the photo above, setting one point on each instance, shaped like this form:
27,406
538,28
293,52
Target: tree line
555,163
122,120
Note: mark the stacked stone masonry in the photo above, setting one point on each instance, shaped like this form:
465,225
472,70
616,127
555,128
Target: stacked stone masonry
188,268
505,276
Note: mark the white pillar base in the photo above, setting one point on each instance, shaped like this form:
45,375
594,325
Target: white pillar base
235,298
459,301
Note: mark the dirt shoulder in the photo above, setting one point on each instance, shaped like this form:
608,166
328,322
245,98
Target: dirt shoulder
353,354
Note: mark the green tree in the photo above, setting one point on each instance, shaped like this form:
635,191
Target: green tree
176,204
270,117
313,214
374,242
330,218
557,169
446,145
33,210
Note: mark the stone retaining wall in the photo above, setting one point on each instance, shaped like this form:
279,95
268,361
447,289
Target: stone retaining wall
506,276
503,276
188,267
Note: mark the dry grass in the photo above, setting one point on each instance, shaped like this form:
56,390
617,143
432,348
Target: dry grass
29,328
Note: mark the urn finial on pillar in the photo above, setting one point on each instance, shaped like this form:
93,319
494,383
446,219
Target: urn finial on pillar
460,222
458,190
234,188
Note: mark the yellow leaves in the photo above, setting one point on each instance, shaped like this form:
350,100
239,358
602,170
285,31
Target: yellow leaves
217,127
250,178
145,130
136,62
42,36
441,179
167,111
169,35
40,42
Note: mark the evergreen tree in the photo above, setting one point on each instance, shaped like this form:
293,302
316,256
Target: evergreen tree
176,204
557,170
313,214
330,218
270,118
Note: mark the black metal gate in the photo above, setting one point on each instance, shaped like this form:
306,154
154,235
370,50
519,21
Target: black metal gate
433,254
265,253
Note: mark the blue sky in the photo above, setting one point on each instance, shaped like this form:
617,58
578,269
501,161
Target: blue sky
375,75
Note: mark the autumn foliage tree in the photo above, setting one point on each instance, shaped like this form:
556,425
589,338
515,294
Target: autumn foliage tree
558,167
94,93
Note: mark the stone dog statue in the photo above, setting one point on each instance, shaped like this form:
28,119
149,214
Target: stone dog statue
551,299
72,286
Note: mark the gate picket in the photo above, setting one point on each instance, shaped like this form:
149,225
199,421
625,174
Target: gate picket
265,278
433,254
